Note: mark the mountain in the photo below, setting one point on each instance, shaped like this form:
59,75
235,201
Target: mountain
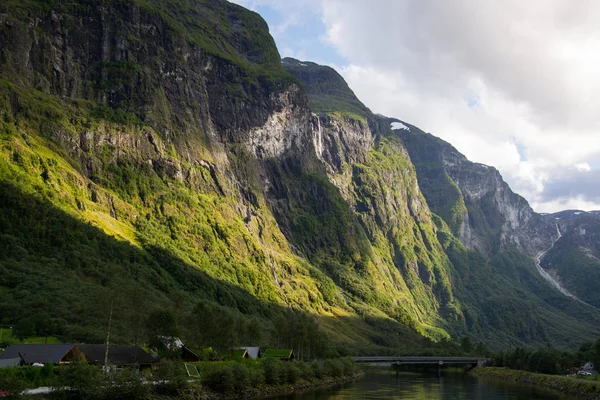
498,293
474,199
328,91
158,157
573,260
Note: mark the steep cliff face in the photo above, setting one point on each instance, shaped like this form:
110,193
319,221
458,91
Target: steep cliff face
574,260
474,199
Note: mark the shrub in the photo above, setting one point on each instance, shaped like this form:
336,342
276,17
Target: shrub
273,371
12,384
127,384
348,365
80,381
318,369
220,380
333,368
305,371
290,372
241,377
256,377
171,378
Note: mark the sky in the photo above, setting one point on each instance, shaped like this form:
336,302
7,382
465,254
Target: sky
513,84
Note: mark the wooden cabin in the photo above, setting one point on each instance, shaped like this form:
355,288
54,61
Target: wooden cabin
30,354
118,356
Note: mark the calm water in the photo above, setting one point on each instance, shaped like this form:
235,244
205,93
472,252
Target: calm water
382,383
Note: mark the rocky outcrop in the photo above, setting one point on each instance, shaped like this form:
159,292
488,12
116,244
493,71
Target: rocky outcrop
473,198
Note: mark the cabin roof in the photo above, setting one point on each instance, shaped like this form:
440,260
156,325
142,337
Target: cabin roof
38,353
117,355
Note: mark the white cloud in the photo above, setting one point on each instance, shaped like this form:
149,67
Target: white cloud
509,83
512,84
583,167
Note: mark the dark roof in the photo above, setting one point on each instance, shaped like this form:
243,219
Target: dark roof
117,355
38,353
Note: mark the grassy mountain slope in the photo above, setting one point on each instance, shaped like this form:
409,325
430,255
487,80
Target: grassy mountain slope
327,91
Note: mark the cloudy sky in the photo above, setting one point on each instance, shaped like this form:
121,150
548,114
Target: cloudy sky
514,84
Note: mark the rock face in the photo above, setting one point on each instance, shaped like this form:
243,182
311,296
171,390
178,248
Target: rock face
474,199
574,260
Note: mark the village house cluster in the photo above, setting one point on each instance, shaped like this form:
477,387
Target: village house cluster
117,356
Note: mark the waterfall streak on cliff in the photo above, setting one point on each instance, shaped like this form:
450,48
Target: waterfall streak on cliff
556,284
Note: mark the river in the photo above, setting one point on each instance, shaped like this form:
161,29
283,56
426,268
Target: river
382,383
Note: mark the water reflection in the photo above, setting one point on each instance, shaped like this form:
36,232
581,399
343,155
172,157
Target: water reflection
382,383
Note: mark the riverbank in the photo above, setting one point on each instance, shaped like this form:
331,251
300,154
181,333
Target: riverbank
281,390
586,390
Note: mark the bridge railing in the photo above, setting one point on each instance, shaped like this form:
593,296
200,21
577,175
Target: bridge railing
420,360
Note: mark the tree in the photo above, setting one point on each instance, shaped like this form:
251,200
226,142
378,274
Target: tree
595,353
43,324
465,345
162,323
24,329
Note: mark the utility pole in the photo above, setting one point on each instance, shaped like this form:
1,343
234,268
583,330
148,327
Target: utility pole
108,335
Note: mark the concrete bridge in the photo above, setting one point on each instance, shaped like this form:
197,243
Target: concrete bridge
400,360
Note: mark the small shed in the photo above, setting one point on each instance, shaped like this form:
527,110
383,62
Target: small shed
281,354
41,353
173,343
118,356
248,352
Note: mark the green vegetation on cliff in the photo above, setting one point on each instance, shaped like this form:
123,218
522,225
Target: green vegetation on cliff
327,91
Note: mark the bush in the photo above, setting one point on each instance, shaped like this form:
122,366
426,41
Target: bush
220,380
273,371
80,381
171,378
333,368
127,384
241,377
318,370
305,371
290,372
256,377
349,366
12,384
